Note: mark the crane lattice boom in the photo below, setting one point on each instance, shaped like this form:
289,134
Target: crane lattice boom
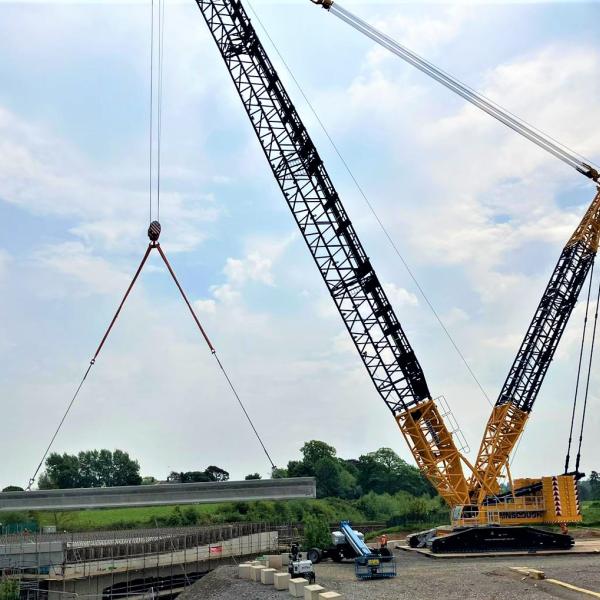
335,247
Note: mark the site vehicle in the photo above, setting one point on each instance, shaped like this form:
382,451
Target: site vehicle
299,567
340,549
347,543
482,517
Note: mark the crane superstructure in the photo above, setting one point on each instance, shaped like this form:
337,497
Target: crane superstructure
378,335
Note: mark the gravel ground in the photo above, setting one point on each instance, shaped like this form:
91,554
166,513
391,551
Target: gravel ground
423,578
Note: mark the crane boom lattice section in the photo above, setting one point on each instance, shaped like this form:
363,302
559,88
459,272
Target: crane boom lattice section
331,239
537,350
315,204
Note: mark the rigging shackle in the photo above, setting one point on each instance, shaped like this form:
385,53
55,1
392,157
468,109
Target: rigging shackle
154,231
327,4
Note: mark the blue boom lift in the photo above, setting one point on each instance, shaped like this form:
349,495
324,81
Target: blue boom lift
369,563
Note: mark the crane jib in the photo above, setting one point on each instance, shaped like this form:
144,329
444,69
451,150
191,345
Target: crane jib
317,209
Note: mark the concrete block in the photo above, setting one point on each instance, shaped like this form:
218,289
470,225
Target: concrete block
280,581
297,587
285,559
266,576
274,561
244,571
255,571
311,592
329,595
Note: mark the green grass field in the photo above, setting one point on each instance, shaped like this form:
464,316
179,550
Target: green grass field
129,518
120,518
591,513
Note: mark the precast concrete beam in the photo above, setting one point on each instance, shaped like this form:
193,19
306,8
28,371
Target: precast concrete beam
160,494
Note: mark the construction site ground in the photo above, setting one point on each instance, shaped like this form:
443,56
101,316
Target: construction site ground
421,578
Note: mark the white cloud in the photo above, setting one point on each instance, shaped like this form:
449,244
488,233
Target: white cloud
422,35
90,274
253,267
5,259
205,306
43,175
398,296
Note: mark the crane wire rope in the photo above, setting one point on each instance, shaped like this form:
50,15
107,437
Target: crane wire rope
152,245
151,127
517,124
161,36
371,208
580,363
587,383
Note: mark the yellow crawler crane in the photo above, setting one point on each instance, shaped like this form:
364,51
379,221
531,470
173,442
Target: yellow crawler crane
546,500
380,340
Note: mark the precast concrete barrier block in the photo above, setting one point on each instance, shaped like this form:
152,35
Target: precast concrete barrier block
297,587
311,592
256,571
274,561
244,571
329,595
280,581
266,576
285,559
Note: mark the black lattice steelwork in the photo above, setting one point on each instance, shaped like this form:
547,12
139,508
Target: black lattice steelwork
316,206
537,350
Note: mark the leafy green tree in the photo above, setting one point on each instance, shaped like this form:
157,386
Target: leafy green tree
9,589
88,469
327,472
278,473
125,471
298,468
217,474
316,532
384,471
252,476
149,480
314,451
62,472
13,488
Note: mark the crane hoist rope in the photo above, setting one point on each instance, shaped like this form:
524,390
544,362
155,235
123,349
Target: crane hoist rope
155,108
580,362
587,383
153,234
541,139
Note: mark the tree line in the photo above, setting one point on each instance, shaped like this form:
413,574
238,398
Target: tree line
379,472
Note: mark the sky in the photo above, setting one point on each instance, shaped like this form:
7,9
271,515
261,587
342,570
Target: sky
478,213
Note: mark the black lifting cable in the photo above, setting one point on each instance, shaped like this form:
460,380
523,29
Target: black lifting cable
585,321
543,140
587,383
153,233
